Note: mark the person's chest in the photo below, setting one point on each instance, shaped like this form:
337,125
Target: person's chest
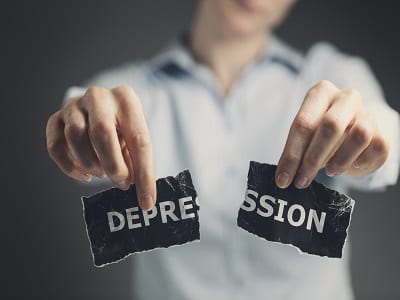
193,128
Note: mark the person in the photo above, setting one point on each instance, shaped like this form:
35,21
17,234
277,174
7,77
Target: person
228,92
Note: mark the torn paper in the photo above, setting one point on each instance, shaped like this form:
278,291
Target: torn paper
315,219
117,227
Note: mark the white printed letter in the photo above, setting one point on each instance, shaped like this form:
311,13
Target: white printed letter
130,217
269,210
167,212
111,221
290,213
147,215
319,224
183,206
251,203
282,204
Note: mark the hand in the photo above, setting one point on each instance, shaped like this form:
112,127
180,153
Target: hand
333,130
104,132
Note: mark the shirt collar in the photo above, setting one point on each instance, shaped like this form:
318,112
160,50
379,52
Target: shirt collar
176,57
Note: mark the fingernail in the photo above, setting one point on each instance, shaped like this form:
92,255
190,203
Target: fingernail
330,172
301,181
146,202
283,179
356,165
124,185
86,177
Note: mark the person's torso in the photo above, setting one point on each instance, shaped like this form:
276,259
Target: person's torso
193,128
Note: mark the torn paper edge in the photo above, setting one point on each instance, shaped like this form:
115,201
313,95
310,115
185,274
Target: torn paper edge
352,204
131,253
196,201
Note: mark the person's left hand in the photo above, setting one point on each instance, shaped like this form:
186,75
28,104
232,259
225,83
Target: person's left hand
334,130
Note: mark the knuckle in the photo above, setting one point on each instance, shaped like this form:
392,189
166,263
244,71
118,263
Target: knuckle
323,85
53,120
125,95
52,146
52,123
312,93
330,126
71,102
101,128
353,93
53,117
304,123
85,100
95,91
94,95
350,96
322,88
75,131
140,139
289,160
68,112
124,89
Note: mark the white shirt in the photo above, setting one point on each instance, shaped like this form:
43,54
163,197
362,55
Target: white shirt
193,127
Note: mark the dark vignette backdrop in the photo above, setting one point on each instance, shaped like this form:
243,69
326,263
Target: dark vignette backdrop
48,45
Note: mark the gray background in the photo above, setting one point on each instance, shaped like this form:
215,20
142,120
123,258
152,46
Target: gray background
48,45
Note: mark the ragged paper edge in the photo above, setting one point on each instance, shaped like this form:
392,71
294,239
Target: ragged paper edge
352,203
196,202
86,225
129,254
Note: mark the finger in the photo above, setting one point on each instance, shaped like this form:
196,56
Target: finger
77,137
315,104
335,148
58,150
330,131
128,160
371,158
135,132
357,140
103,135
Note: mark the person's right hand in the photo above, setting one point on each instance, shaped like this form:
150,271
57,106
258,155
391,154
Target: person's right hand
104,132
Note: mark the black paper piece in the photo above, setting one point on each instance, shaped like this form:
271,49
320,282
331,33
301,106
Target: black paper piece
117,227
315,219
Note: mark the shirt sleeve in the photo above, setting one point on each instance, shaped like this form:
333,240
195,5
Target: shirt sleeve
353,72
